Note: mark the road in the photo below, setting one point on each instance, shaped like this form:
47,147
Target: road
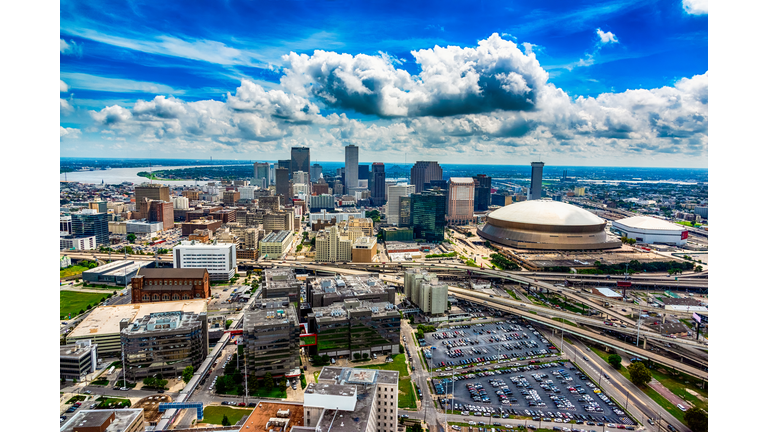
420,376
507,306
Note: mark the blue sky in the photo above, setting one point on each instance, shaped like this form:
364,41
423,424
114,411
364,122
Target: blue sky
621,83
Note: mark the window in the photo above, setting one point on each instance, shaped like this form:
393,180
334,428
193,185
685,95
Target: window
155,297
145,297
176,297
185,297
166,297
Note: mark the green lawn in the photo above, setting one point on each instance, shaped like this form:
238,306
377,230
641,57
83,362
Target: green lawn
276,392
100,382
71,271
512,294
72,302
215,414
77,398
407,397
112,402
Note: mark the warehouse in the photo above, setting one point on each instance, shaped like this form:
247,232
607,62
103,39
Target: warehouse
651,230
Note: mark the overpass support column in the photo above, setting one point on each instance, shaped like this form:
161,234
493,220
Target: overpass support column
645,343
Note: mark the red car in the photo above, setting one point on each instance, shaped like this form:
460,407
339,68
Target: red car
241,404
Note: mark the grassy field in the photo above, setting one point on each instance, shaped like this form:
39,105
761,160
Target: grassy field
512,294
77,398
71,271
72,302
406,397
276,392
215,414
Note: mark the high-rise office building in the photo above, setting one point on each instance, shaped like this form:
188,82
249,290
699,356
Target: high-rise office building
428,215
405,211
394,192
350,167
424,172
220,259
299,159
377,185
482,192
315,172
282,186
363,173
300,177
285,163
152,191
261,174
461,200
86,223
537,168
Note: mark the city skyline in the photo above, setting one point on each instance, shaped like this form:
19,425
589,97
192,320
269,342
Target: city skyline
612,84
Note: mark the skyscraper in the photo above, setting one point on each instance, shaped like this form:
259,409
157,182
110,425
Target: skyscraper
537,168
151,191
350,167
261,174
482,192
362,172
285,163
378,188
393,202
281,184
299,159
405,211
424,172
461,200
315,172
428,215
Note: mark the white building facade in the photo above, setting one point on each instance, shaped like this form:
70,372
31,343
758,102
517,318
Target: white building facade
394,192
220,259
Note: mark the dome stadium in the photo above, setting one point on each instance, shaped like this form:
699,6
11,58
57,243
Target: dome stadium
547,225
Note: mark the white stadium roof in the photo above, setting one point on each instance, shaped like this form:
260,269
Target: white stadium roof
546,212
649,223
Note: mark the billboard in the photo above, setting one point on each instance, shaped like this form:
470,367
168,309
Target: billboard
684,235
696,317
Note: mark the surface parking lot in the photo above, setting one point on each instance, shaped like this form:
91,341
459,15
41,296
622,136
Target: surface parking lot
459,347
553,391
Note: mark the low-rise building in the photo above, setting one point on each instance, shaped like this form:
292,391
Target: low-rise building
220,259
164,343
281,282
275,244
271,337
368,397
402,234
117,273
111,420
169,284
77,360
103,325
355,326
325,291
364,250
77,243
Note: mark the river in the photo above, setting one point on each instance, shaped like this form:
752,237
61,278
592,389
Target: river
119,175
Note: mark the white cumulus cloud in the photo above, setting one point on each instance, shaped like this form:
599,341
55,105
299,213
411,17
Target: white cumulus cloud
453,80
69,132
70,48
696,7
63,87
606,37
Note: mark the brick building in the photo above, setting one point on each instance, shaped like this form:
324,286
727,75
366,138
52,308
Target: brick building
169,284
188,228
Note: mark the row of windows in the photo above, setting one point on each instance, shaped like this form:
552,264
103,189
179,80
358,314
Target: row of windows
165,282
157,297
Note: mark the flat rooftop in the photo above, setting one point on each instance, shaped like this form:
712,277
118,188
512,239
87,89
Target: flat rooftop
345,375
97,418
117,268
347,285
270,311
260,415
105,320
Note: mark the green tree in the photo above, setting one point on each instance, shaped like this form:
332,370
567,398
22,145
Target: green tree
269,382
365,356
357,356
189,371
225,421
325,359
221,386
229,323
696,419
597,263
631,241
639,374
81,312
615,361
131,238
698,269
